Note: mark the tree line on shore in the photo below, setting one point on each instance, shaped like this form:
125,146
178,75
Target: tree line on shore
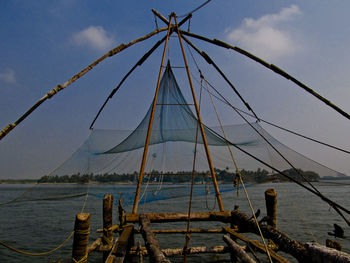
225,176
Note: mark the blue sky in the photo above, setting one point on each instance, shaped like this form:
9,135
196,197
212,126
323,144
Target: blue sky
43,43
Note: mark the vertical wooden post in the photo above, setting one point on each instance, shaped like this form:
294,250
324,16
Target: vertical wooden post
271,207
121,212
211,167
81,237
107,238
149,130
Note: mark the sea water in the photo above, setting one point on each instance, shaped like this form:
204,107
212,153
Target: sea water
41,225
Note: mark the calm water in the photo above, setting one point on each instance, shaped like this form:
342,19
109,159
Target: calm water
38,226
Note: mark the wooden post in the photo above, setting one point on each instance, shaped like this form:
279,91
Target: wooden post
121,212
107,238
211,167
81,237
152,245
271,207
149,130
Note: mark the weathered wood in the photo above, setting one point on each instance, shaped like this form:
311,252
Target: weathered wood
151,241
95,245
179,251
121,245
255,244
333,244
121,212
113,228
107,237
271,207
237,252
81,237
286,244
322,254
173,217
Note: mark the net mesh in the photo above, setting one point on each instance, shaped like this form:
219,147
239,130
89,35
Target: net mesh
172,144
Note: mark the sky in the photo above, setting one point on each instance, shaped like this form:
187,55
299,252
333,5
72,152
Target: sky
44,43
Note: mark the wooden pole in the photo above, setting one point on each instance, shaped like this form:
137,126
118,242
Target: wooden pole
81,237
168,252
285,243
121,245
237,252
224,217
149,130
211,167
151,241
107,237
121,212
271,207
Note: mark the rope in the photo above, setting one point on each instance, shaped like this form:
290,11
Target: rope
82,260
240,179
20,195
278,152
36,253
272,124
196,9
301,217
188,234
271,67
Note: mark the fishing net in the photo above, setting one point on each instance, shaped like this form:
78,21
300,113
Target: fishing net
172,145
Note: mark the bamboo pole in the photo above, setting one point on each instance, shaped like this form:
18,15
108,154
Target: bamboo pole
81,237
271,207
149,130
107,237
211,167
269,66
151,241
237,253
60,87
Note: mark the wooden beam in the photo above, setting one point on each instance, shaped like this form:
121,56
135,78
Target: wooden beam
285,243
237,252
173,217
322,254
95,245
179,251
151,241
255,244
121,245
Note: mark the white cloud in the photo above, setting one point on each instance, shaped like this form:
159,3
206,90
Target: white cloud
94,37
8,76
265,36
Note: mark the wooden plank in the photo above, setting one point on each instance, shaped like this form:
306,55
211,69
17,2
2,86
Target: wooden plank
121,245
256,244
173,217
